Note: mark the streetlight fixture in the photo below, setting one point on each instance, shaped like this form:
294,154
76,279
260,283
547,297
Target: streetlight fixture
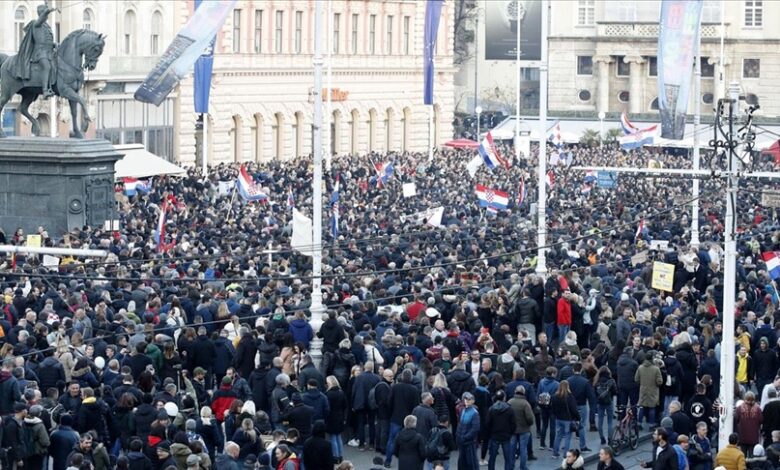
478,110
602,115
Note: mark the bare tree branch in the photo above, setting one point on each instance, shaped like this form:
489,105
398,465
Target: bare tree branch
465,16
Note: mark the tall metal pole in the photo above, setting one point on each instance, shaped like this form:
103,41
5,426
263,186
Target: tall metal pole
476,62
329,118
541,205
517,98
316,294
696,158
430,133
205,143
727,346
53,100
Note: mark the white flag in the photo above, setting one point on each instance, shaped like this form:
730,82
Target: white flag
474,165
430,216
302,234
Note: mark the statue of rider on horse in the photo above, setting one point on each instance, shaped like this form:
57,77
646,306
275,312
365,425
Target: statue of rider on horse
40,68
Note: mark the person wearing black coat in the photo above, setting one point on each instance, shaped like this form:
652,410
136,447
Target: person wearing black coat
689,364
62,441
501,426
666,458
339,363
137,459
460,381
331,333
361,386
426,416
51,374
13,434
409,446
93,415
628,389
310,371
202,353
335,421
145,414
299,416
564,408
244,359
317,451
403,398
270,380
256,382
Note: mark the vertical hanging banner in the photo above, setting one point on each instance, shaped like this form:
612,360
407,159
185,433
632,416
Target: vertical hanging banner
188,45
678,38
432,16
203,67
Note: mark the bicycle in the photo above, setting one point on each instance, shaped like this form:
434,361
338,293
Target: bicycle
627,431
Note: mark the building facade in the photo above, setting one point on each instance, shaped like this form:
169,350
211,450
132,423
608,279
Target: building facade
261,105
603,57
136,32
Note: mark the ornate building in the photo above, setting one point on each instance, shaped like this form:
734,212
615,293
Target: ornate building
260,106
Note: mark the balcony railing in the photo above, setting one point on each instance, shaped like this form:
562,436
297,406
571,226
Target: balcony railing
645,30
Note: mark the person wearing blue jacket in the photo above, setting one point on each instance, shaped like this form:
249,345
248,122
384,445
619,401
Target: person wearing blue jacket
583,392
316,399
467,434
301,330
548,387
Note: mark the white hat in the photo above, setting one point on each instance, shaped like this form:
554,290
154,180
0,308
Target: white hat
431,312
171,409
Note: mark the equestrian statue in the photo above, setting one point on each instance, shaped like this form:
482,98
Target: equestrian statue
42,68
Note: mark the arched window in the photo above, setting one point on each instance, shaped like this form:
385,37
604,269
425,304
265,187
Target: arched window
20,18
389,131
278,135
372,130
157,25
257,138
354,129
235,139
87,19
406,122
128,46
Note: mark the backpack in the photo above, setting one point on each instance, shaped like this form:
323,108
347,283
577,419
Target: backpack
372,403
28,441
604,392
506,369
435,448
544,399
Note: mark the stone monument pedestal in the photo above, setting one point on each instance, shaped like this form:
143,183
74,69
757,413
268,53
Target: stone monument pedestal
60,184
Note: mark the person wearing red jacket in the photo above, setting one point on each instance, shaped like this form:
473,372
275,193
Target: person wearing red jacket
564,315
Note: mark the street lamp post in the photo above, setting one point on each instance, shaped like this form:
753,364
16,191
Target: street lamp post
602,115
478,110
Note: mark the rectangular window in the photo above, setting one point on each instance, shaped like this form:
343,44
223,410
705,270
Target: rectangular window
586,12
407,33
258,31
751,68
298,31
236,30
622,68
754,13
584,65
707,69
372,34
652,66
389,46
354,41
336,32
278,31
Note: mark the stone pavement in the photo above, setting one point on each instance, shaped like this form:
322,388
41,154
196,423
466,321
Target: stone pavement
630,459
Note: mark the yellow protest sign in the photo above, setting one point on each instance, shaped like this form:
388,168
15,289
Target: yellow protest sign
34,241
663,276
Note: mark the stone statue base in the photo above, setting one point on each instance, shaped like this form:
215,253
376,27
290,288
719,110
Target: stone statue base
59,184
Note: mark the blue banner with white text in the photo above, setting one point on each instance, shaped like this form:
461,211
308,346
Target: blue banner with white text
432,15
678,40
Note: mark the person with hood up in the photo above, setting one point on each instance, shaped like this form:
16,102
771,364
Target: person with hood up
301,330
331,333
649,378
317,451
180,449
409,446
244,359
573,460
34,427
500,426
759,460
340,362
137,459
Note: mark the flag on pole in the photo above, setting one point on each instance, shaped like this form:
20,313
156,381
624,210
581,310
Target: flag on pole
474,165
290,199
772,260
550,179
640,229
590,176
555,135
432,16
638,138
383,173
159,235
247,188
490,155
521,193
493,199
334,209
134,186
628,126
202,76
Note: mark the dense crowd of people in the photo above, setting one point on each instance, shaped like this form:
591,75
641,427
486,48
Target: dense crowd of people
439,346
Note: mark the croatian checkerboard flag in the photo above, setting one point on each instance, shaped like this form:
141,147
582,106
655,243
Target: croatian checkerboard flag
383,173
493,199
134,186
489,152
247,188
772,260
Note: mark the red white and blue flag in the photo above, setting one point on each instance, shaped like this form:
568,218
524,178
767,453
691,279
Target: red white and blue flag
134,186
554,135
490,155
635,137
521,193
772,260
628,126
493,199
334,208
383,173
247,188
640,230
159,234
290,200
550,179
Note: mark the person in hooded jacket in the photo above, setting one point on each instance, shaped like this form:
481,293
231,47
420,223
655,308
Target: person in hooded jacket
137,459
33,426
301,330
244,359
467,435
331,333
314,398
51,374
317,451
9,388
501,426
628,387
62,441
93,414
340,362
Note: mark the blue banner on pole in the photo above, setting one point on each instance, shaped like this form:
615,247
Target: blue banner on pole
188,45
203,68
607,179
678,39
432,15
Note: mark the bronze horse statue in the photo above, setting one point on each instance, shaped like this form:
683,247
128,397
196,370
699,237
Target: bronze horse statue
79,51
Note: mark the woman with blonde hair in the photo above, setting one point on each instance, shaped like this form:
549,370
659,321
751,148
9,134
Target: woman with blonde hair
564,409
335,421
248,439
211,432
443,398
